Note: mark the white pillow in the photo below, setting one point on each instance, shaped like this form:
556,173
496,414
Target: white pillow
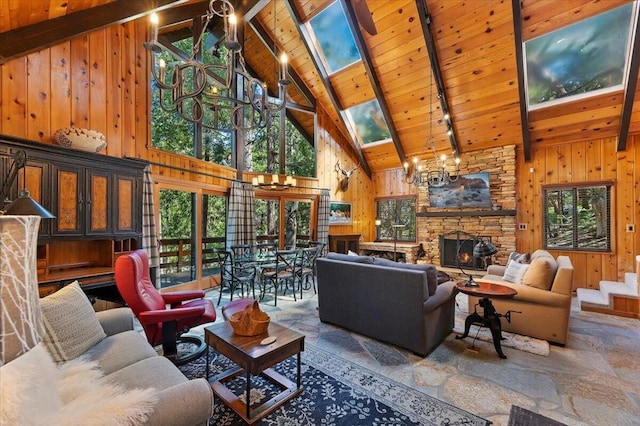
70,323
514,271
352,253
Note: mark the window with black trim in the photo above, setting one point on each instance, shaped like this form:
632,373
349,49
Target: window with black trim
577,217
397,219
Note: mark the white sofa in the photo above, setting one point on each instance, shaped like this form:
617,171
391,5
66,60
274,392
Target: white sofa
124,359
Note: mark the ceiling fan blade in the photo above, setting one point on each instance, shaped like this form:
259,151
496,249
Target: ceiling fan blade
364,16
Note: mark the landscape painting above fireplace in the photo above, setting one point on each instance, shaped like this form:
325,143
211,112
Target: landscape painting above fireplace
470,190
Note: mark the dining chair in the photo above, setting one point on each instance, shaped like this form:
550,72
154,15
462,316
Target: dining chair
281,273
266,249
235,275
306,271
241,250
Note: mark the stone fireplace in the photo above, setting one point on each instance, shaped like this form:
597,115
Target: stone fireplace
497,224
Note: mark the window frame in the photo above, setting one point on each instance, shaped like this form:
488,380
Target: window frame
397,199
575,186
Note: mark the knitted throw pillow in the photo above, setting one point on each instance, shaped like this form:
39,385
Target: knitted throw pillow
71,325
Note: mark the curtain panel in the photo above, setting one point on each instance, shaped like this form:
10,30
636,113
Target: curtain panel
323,220
241,226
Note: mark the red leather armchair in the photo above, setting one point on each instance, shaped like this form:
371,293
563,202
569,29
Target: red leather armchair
162,325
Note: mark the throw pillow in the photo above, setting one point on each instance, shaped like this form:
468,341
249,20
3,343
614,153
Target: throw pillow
519,257
70,323
541,273
540,253
513,270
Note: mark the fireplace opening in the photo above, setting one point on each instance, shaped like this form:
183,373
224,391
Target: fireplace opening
458,246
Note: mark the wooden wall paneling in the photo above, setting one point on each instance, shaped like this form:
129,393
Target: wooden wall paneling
80,100
128,64
14,96
38,95
593,273
113,107
142,93
625,204
98,83
60,87
565,165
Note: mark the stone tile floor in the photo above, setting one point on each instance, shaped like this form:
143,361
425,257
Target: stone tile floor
593,380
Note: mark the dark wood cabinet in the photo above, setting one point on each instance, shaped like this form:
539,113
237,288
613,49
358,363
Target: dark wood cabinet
97,201
344,243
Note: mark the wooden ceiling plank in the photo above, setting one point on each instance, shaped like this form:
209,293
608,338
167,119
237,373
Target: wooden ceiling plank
261,32
305,37
630,90
524,119
32,38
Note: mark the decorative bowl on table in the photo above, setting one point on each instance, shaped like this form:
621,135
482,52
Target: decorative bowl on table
251,321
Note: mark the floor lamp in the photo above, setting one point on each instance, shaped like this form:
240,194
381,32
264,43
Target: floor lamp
395,239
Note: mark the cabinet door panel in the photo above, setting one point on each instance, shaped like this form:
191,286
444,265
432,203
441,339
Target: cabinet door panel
67,201
98,212
35,179
125,198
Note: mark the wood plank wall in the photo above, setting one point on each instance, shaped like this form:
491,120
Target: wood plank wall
100,81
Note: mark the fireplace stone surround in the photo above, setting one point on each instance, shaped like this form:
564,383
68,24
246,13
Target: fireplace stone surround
498,226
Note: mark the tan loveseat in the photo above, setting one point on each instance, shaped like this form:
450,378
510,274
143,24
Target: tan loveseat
545,313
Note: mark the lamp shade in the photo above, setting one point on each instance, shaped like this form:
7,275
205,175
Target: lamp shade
24,205
484,249
20,314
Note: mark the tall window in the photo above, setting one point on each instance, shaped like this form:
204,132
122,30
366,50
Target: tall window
577,218
177,237
398,219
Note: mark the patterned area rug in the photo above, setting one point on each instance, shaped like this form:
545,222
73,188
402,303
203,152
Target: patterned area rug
336,392
512,340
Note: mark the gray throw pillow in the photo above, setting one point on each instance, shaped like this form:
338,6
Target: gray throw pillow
70,323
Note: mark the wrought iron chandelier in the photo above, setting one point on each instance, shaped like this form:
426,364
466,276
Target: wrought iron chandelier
440,176
222,97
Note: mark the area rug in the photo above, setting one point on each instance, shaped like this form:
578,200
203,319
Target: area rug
522,417
512,340
336,392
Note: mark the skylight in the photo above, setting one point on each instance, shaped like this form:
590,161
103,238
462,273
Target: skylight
588,57
369,122
334,39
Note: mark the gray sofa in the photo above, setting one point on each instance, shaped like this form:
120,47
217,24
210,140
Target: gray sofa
397,303
126,358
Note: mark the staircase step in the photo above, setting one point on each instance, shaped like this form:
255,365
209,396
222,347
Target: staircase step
618,289
591,297
631,278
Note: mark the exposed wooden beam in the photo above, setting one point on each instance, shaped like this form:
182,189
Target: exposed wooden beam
269,43
630,90
524,114
425,23
373,77
306,37
31,38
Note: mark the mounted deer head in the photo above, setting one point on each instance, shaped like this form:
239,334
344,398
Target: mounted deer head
343,181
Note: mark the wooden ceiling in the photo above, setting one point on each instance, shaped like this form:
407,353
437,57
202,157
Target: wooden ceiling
475,46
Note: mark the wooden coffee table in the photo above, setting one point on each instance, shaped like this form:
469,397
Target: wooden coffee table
254,358
490,318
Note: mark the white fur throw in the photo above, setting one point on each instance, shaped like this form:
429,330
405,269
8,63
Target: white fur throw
34,391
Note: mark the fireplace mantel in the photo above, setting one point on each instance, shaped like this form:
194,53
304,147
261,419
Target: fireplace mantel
467,213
